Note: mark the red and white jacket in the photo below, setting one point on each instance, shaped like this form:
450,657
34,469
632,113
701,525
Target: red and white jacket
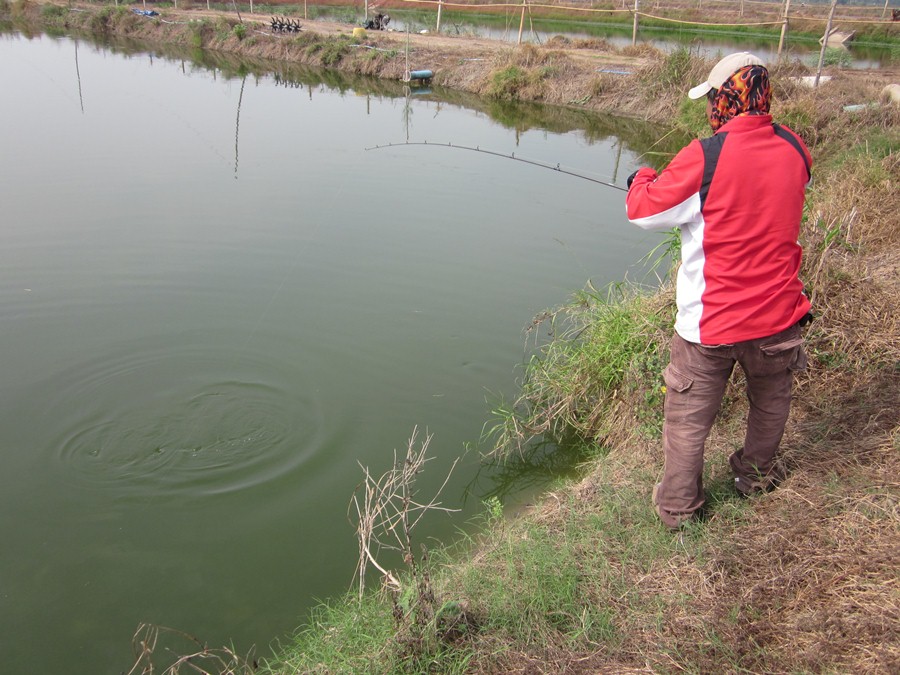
738,199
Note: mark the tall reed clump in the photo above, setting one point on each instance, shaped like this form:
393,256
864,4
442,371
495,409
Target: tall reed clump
599,379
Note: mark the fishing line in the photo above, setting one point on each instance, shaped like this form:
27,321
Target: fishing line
658,141
512,156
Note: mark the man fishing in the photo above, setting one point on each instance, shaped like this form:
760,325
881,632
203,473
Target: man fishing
737,198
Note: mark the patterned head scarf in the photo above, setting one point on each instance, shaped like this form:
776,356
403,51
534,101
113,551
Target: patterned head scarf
747,92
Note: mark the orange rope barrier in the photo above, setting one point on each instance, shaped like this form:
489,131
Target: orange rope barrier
518,5
591,10
702,23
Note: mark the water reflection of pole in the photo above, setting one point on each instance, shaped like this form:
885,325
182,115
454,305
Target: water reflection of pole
407,111
78,75
237,126
618,157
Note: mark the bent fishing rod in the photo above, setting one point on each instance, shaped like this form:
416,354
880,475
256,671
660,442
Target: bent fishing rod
542,165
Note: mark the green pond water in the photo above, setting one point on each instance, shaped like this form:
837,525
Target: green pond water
215,304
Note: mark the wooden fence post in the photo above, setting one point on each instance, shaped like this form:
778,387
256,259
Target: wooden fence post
784,26
635,29
440,4
522,22
824,43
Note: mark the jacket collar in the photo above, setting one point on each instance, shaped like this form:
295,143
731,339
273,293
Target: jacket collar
746,123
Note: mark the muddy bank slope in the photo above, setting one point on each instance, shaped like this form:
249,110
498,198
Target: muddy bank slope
587,74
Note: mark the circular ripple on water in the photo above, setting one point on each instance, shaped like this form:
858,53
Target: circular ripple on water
184,423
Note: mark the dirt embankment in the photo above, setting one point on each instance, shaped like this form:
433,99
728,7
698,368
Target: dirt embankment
589,74
585,74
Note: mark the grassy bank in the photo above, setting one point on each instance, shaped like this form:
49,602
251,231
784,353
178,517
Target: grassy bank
800,580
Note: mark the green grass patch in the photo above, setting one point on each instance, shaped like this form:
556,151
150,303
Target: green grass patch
506,83
341,636
333,51
609,349
53,11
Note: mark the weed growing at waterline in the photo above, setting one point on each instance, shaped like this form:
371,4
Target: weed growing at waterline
388,510
184,654
606,357
506,83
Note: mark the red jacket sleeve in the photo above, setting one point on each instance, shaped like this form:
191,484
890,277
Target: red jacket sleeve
670,199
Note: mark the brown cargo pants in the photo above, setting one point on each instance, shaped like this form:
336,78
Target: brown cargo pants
695,383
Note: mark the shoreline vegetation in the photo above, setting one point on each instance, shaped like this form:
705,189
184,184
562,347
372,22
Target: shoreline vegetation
803,579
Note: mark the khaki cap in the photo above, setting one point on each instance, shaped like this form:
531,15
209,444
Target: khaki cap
723,70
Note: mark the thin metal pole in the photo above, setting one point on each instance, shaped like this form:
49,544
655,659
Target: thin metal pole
406,74
824,44
438,28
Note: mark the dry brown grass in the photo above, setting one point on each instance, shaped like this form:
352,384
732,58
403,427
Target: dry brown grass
810,581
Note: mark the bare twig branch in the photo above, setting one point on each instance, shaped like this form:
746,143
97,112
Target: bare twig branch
387,511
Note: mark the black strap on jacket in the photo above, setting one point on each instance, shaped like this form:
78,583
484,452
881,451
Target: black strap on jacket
712,148
790,138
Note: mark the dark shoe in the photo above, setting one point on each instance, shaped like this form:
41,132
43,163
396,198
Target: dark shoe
747,487
757,483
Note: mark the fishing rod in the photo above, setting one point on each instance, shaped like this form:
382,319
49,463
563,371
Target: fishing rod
504,156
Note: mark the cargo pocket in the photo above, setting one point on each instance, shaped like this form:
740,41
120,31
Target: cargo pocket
676,381
780,348
800,361
788,354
